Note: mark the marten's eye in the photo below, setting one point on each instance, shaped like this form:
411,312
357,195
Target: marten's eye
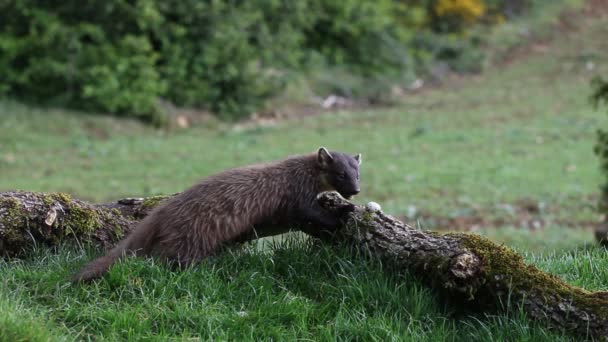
342,175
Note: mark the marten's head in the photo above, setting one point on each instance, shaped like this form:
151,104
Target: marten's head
339,171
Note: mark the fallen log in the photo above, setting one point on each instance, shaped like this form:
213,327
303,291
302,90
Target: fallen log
465,267
474,269
30,219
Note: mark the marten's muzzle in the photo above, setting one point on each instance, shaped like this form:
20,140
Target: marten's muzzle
352,193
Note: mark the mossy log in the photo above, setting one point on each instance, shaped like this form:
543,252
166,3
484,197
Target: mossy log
466,268
30,219
475,271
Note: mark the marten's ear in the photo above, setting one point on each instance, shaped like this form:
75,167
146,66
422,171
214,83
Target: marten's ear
324,158
358,158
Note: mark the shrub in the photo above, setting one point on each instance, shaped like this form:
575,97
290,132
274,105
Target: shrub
123,56
227,56
123,79
76,54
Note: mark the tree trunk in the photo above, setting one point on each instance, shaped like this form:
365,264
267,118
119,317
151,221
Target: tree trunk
466,268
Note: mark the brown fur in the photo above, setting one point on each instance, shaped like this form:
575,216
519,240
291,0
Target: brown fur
260,199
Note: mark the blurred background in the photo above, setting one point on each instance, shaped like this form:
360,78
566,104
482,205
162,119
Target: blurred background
483,116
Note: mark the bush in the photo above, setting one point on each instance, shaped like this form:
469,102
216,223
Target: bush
123,79
123,56
76,54
227,56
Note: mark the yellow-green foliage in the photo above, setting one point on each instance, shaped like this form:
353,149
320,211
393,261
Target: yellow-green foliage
468,11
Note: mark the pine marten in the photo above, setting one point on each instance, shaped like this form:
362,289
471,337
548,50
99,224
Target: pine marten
257,200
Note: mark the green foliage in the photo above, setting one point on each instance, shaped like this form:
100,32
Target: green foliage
123,79
360,34
122,57
228,57
90,56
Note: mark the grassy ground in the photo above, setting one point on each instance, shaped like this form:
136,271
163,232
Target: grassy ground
524,131
293,291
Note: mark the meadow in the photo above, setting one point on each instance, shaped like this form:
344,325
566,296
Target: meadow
477,146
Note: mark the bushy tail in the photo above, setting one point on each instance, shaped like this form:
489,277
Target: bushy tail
138,242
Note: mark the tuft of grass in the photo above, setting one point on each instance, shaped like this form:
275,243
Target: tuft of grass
19,323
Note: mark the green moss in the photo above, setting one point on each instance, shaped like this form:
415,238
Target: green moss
499,260
12,219
81,220
367,216
113,218
62,197
84,220
50,198
47,199
151,202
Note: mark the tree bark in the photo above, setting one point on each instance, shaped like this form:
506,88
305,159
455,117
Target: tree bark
466,268
30,219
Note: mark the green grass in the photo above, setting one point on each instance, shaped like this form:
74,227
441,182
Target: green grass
524,131
550,240
294,290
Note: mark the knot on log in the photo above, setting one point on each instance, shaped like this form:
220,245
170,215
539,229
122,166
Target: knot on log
465,265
